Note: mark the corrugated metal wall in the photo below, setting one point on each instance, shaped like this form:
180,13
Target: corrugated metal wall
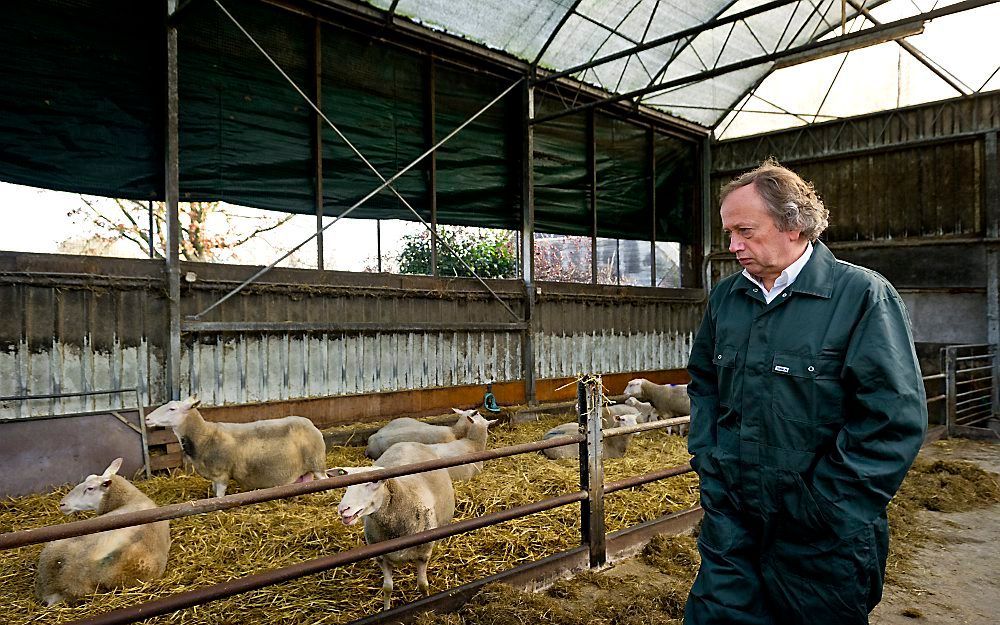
64,329
257,368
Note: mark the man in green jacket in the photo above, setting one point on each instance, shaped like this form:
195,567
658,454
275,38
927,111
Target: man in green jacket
807,409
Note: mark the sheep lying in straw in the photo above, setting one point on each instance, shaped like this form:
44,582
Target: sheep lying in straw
612,448
475,440
647,412
260,454
400,506
71,568
410,430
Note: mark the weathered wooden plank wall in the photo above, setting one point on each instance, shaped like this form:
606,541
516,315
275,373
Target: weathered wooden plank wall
72,324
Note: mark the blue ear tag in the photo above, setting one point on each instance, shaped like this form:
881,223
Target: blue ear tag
781,369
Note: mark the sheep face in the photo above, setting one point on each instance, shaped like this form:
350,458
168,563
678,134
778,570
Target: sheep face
626,420
359,500
634,388
171,414
88,494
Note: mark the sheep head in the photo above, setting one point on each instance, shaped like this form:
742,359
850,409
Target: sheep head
170,414
88,494
634,388
359,500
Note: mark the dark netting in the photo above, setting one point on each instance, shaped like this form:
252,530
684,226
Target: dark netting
562,187
245,134
676,184
622,161
377,96
478,172
81,96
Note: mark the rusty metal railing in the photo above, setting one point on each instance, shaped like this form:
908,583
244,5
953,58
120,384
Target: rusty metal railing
591,497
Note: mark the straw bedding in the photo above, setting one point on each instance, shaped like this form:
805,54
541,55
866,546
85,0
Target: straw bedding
221,546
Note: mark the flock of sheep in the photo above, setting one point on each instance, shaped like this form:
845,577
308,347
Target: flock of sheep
276,452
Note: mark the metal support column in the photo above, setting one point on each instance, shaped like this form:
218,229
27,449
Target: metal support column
528,243
171,187
703,248
592,181
651,193
991,169
318,138
590,406
432,182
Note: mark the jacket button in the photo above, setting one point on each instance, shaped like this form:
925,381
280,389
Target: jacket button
720,356
755,290
784,294
811,368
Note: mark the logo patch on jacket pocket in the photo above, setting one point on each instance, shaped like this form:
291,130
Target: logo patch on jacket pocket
781,369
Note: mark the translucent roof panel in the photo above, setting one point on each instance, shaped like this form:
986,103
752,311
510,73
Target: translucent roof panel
963,47
519,27
708,72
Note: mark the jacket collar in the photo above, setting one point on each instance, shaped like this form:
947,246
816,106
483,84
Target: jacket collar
816,277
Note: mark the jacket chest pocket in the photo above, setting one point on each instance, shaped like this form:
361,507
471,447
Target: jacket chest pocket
806,388
725,369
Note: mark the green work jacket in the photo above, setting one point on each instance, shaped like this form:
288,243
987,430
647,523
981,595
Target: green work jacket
822,383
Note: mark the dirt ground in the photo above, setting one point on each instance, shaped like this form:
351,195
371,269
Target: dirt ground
955,578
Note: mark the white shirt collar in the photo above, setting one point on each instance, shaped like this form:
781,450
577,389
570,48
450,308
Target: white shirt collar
787,276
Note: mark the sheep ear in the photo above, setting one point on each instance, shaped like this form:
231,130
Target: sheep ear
458,411
112,468
191,402
490,422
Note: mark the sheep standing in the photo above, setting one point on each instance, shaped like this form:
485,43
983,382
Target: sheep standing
670,400
400,506
612,448
260,454
475,440
72,568
410,430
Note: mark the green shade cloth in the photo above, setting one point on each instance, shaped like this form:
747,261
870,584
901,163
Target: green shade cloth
82,110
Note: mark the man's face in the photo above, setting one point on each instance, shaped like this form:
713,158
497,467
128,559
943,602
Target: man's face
760,247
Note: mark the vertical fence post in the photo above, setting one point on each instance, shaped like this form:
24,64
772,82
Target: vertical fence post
950,388
591,405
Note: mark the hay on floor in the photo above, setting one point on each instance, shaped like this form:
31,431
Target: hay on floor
221,546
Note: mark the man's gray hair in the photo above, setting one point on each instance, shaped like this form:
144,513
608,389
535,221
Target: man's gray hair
792,201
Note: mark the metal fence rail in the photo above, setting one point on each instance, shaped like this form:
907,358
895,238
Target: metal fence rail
591,498
971,386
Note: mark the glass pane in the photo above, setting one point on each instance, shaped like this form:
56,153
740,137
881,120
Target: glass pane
668,265
562,258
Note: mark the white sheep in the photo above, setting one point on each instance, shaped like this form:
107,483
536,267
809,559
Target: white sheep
474,440
410,430
260,454
400,506
647,412
670,400
72,568
612,447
